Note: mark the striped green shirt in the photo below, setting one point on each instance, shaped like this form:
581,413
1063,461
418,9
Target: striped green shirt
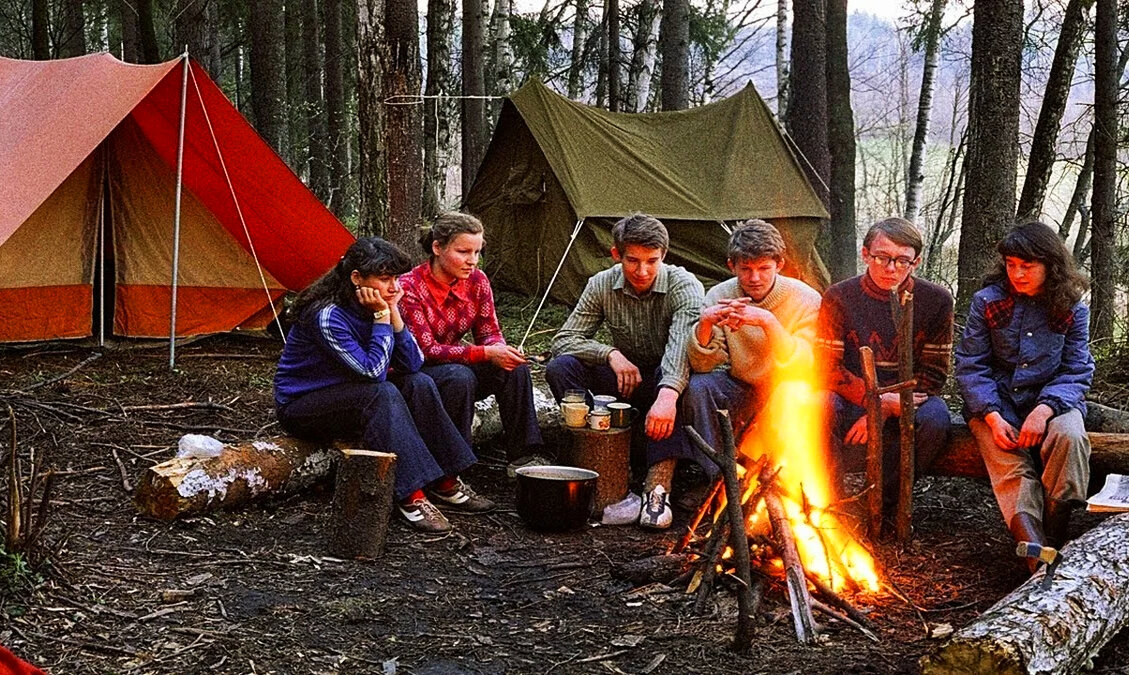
649,329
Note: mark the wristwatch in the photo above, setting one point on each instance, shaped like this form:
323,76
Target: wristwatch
382,314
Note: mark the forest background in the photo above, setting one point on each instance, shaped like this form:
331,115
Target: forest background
963,117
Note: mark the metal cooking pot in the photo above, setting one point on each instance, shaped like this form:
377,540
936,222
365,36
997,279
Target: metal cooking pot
555,498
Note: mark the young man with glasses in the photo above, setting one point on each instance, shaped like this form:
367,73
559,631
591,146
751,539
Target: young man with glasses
856,313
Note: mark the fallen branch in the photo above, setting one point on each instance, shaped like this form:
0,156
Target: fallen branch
90,359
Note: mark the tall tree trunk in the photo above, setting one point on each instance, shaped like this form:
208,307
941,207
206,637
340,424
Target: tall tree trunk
1081,191
643,55
807,98
611,19
674,42
473,108
268,72
579,37
370,118
147,31
194,26
127,14
72,41
501,58
40,30
337,142
602,63
436,117
841,143
1044,144
403,128
916,176
295,90
315,103
781,59
1104,201
993,140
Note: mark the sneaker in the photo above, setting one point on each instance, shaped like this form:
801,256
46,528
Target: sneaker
656,513
463,498
423,516
528,460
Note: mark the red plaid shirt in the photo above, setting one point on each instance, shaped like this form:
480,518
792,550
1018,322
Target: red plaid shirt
439,315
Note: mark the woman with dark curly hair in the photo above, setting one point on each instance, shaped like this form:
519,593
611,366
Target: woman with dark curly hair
1024,367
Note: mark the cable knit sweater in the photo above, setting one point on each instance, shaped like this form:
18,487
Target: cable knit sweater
744,352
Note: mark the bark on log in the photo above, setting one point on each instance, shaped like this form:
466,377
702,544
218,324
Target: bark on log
1057,630
362,503
239,475
608,453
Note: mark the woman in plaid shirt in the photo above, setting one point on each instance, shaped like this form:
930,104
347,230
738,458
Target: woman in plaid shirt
1024,367
447,297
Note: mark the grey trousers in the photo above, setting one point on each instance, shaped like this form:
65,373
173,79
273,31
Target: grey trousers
1065,459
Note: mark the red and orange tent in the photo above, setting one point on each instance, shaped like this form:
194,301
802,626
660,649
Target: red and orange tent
88,160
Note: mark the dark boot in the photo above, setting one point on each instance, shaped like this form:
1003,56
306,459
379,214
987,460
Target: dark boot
1026,527
1056,519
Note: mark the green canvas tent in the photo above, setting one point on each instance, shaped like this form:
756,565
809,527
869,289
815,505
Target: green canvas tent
556,167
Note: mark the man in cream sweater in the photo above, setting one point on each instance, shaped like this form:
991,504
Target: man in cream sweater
752,325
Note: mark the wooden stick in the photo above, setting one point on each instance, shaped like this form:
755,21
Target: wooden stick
873,444
835,614
902,309
697,519
727,460
837,600
121,469
712,559
53,380
793,568
15,501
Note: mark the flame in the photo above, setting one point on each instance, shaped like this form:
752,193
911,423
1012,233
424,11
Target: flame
791,430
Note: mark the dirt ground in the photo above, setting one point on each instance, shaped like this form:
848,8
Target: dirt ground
252,591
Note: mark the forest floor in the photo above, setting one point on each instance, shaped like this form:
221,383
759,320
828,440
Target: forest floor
253,591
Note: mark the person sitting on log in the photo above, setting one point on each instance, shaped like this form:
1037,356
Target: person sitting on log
649,308
349,367
446,297
856,313
1024,367
752,327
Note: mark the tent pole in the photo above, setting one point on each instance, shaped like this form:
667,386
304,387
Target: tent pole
101,248
571,239
176,215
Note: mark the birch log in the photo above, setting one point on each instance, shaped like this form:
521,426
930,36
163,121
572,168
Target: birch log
1057,630
362,503
239,475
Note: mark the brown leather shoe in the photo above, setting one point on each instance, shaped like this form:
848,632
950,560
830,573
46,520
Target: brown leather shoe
1056,520
1026,527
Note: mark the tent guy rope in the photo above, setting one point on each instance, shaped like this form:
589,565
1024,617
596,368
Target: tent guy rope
571,239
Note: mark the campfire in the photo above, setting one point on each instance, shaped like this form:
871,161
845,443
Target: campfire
786,519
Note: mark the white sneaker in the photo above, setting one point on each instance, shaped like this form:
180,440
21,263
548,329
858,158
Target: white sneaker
656,513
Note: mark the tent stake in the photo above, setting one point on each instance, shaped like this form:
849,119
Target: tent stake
575,231
176,216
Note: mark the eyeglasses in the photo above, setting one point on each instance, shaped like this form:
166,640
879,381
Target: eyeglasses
900,264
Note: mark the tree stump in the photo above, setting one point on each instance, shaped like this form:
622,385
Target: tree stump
1057,630
362,503
239,475
608,453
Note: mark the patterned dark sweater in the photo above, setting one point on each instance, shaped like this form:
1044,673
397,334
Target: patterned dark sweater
856,313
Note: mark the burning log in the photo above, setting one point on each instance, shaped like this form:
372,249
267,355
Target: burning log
697,519
362,503
727,460
1056,630
794,575
239,475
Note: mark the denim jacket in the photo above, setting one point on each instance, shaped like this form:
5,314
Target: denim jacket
1015,355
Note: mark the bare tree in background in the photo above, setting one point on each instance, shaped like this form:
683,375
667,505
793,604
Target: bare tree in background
296,151
373,211
336,137
314,106
930,40
781,59
841,255
576,63
147,31
993,140
127,15
611,20
1044,143
403,130
1102,247
195,25
499,81
807,99
72,38
40,30
436,117
473,105
674,43
643,54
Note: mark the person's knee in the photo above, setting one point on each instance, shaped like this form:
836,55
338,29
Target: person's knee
933,417
560,366
380,394
416,384
458,378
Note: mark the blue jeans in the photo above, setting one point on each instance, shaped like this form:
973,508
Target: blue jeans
461,385
931,432
704,396
568,372
403,416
